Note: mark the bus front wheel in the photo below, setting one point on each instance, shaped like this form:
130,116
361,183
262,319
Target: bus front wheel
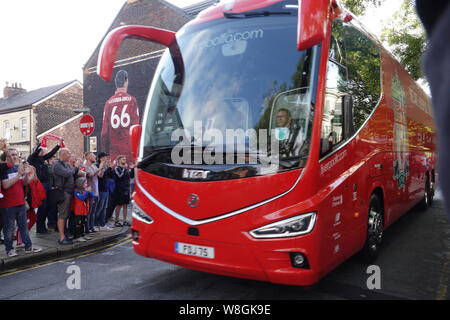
375,225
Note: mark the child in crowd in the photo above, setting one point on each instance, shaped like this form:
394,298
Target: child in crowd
80,205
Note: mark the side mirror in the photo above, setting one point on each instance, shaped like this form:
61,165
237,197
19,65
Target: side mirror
347,103
135,137
312,22
111,44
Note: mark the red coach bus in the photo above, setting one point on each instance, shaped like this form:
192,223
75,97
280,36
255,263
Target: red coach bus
331,141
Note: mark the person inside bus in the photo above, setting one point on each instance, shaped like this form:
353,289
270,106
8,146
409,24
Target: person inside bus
292,137
332,139
214,115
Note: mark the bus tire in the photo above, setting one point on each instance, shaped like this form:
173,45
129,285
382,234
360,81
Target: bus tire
375,226
432,186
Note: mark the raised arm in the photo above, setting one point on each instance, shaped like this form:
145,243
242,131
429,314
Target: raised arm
59,170
8,183
51,153
4,148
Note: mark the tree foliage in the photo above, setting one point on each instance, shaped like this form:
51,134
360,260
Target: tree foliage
359,7
361,58
406,36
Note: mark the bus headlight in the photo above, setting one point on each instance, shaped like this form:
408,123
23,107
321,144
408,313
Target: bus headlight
140,214
291,227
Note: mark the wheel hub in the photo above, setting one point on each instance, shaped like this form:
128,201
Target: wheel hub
375,227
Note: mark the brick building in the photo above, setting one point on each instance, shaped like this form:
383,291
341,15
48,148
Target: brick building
70,131
25,115
138,58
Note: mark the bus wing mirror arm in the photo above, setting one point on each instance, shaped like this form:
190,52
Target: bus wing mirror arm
312,23
135,137
313,19
112,41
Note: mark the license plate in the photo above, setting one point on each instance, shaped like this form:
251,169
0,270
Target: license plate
194,250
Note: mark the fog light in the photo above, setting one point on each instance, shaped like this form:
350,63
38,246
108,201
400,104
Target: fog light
135,235
299,260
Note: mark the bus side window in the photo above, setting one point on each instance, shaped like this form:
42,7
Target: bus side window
363,63
332,132
353,78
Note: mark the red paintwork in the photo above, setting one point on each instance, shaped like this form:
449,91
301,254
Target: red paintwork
135,135
312,26
213,201
338,188
112,42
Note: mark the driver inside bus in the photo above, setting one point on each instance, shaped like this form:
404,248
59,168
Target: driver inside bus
289,133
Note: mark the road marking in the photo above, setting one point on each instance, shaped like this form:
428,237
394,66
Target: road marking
127,239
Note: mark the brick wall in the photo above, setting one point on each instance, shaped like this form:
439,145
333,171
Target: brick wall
58,109
148,13
73,139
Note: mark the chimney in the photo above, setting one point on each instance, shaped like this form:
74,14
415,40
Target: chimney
12,90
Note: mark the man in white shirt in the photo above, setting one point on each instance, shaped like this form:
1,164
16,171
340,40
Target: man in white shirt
92,179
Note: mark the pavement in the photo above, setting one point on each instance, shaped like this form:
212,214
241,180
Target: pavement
52,250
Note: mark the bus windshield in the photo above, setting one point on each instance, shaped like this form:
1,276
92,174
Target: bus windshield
237,91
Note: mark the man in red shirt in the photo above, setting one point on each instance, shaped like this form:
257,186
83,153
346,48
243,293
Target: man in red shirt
7,162
12,205
120,113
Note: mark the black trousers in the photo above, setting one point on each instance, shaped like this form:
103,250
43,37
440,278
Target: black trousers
111,206
78,226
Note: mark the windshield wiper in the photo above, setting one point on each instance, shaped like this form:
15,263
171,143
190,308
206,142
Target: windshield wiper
249,14
155,152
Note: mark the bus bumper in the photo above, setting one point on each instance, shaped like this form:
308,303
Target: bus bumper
264,260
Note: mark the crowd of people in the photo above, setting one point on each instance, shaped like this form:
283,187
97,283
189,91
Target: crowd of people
56,191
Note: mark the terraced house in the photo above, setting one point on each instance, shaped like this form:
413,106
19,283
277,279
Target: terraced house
24,115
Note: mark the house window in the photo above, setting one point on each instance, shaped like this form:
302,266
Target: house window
6,133
23,128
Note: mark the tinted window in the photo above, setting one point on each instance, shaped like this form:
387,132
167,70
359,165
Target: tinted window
361,56
332,131
231,88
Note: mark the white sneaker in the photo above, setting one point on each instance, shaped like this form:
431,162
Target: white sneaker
21,245
106,228
33,250
11,253
95,229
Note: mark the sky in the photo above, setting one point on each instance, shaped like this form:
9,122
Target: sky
47,42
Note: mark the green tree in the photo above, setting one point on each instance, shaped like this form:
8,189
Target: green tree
359,7
406,36
361,57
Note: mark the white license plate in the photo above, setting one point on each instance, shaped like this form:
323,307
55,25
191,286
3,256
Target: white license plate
194,250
